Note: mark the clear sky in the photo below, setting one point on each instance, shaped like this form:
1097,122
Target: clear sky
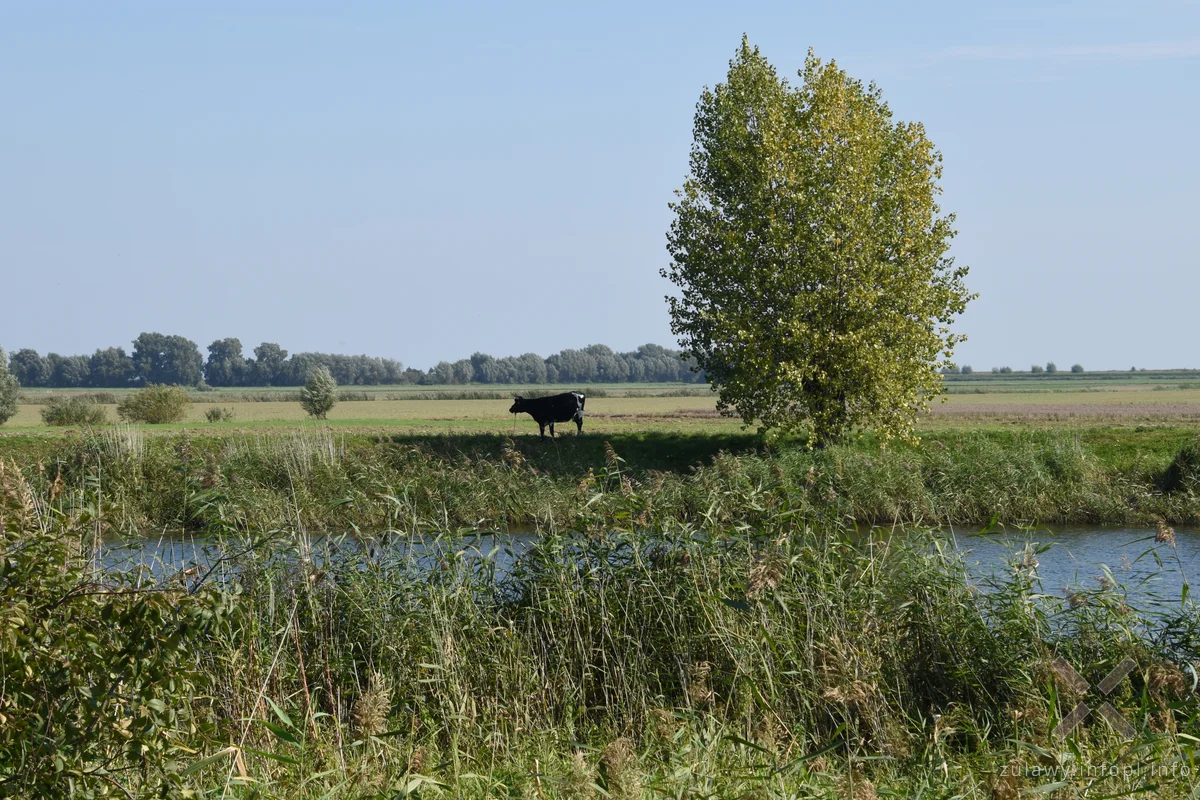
422,183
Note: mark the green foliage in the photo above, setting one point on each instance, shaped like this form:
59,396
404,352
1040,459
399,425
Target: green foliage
1184,472
1006,370
320,393
110,368
811,255
10,390
218,414
1077,368
1051,367
1037,369
155,404
226,366
73,410
965,369
167,359
99,676
30,368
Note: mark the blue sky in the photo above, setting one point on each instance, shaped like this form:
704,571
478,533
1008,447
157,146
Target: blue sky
421,183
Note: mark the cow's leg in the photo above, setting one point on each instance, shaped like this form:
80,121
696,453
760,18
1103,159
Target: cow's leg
551,429
579,424
542,429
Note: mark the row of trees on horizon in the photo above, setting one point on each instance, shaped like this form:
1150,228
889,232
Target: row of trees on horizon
165,359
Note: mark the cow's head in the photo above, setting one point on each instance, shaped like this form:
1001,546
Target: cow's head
518,405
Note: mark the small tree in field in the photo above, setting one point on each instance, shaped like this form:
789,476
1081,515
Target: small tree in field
319,393
10,390
1051,367
1077,368
1037,369
811,257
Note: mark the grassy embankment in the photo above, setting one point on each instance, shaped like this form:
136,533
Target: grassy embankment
329,479
769,656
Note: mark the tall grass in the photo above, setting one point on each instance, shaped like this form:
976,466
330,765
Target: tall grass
776,654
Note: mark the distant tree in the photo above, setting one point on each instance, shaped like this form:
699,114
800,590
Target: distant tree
1133,369
815,284
29,368
226,366
443,373
412,376
1037,369
319,393
268,364
69,371
10,390
1051,367
164,359
461,371
950,369
156,404
1006,370
1077,368
110,368
965,369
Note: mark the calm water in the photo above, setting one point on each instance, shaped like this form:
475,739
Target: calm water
1068,559
1075,558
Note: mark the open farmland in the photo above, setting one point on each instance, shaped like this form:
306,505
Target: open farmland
1072,402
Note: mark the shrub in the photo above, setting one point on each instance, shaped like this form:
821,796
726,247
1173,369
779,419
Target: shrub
1184,471
1051,367
217,414
319,394
75,410
1036,370
1077,368
155,404
10,390
1006,370
204,387
965,369
94,673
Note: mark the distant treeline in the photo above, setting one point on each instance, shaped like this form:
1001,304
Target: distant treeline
158,358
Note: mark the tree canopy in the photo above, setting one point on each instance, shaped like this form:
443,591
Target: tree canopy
172,359
810,253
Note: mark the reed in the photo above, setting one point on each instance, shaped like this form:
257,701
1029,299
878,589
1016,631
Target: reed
773,652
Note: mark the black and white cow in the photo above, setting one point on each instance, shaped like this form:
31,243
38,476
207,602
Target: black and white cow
549,410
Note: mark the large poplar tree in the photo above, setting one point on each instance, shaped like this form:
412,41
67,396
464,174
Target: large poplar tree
811,255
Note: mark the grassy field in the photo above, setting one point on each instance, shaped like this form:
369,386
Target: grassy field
623,408
698,617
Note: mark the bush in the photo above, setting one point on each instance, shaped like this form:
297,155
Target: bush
320,393
1077,368
1184,472
94,673
204,387
77,410
218,414
1006,370
1036,370
1051,367
155,404
965,369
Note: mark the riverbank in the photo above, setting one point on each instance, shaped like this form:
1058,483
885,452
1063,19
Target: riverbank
323,478
777,658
